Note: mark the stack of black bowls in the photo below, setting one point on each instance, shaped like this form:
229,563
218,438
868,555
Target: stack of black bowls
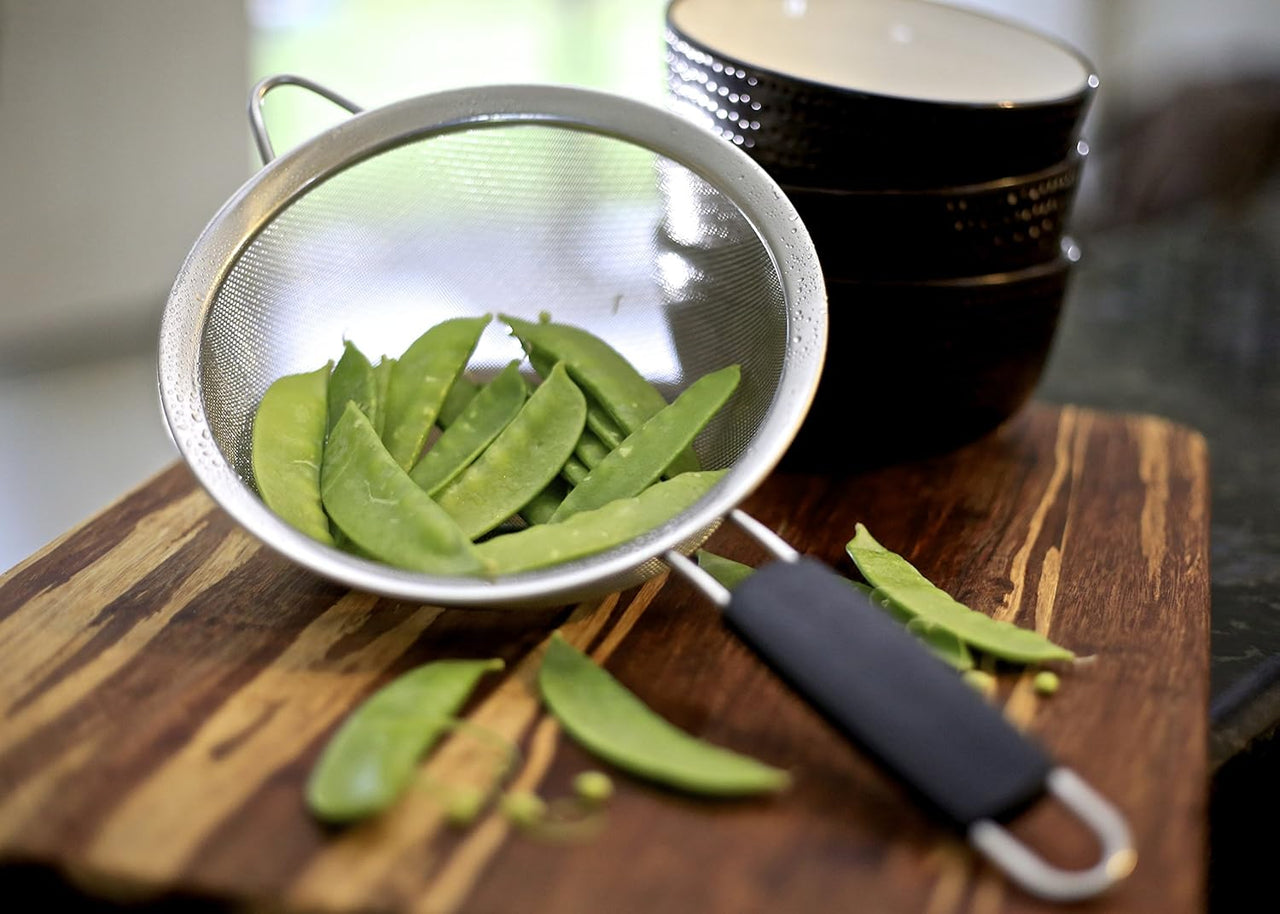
933,154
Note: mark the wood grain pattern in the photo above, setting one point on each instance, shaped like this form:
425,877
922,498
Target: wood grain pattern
166,684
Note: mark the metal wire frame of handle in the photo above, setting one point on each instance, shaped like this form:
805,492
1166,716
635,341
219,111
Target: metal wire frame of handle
1116,856
258,124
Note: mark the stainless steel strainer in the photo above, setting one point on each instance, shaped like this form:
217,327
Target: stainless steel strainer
524,199
512,199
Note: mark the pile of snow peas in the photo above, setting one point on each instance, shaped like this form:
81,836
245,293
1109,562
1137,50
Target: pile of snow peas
410,462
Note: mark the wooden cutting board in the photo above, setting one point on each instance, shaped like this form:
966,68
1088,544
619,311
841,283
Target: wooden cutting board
166,683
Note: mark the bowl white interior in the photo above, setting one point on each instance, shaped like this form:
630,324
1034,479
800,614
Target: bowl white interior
900,48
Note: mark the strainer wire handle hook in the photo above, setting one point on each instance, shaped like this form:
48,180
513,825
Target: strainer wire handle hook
258,125
905,708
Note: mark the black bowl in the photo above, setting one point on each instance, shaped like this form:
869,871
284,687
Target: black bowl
973,229
808,127
914,369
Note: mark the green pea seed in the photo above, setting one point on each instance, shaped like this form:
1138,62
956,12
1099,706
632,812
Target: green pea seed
601,371
288,449
521,461
565,820
595,531
375,503
640,459
893,575
420,380
523,808
352,381
593,787
611,722
1045,682
494,406
464,805
372,756
984,683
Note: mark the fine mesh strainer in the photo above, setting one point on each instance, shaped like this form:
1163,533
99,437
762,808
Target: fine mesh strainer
524,199
506,199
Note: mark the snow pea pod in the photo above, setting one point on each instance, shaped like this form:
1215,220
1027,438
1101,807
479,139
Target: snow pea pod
642,456
485,416
375,503
352,380
895,577
521,461
590,449
544,504
595,531
603,372
381,379
942,643
420,380
456,400
606,429
574,471
610,721
371,758
288,447
725,570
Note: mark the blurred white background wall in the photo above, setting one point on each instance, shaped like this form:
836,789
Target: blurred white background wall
121,131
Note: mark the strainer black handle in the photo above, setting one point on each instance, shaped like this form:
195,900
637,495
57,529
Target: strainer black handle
894,699
904,707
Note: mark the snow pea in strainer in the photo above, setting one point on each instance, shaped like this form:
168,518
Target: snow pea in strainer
678,250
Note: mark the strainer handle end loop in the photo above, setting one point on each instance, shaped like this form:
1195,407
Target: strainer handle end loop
890,696
257,123
1116,858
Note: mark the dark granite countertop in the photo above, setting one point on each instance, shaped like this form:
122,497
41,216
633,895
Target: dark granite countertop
1180,317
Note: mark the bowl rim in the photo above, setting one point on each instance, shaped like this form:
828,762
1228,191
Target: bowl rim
1059,265
1081,97
1072,163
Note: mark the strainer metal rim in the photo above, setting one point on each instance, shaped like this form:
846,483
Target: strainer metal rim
368,133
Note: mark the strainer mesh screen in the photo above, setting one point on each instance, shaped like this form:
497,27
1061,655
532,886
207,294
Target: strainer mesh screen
518,219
